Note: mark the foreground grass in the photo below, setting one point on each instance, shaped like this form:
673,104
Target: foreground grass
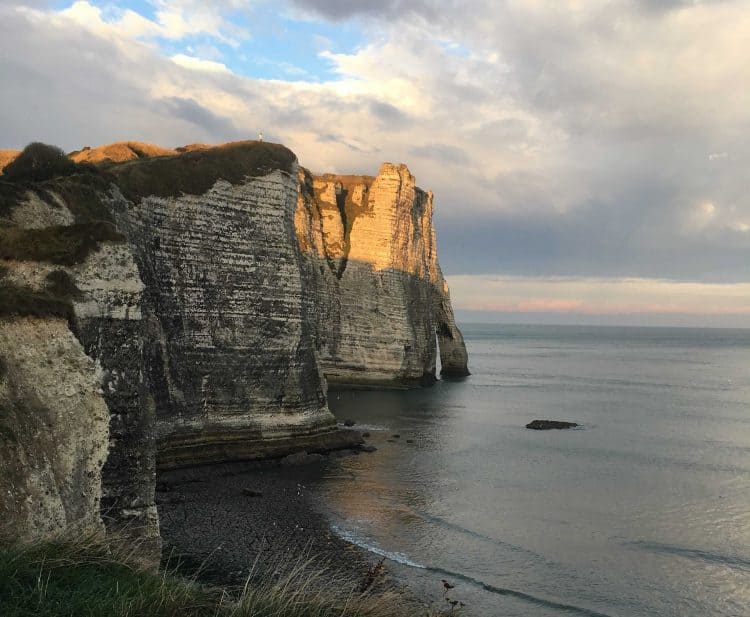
88,578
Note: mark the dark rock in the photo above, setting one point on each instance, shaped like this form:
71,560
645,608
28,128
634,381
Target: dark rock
169,499
249,492
409,441
344,453
396,436
349,422
545,425
369,448
365,435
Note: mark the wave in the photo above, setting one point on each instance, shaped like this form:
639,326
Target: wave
441,522
366,427
357,540
402,559
731,561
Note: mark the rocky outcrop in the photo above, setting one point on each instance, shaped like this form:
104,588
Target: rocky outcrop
230,358
546,425
380,298
195,302
65,263
53,431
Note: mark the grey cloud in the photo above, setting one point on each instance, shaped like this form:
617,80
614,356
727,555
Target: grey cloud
220,128
338,10
56,89
544,162
388,114
441,152
339,139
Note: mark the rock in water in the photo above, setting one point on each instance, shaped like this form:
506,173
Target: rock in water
545,425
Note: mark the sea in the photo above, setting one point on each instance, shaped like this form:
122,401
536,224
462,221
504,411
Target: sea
644,509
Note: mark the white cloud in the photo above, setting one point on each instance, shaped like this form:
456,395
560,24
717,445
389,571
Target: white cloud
559,137
198,64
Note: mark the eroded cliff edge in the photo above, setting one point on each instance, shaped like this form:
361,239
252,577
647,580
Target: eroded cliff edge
76,417
380,300
230,358
187,308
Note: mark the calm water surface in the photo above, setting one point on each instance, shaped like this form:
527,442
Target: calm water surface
643,511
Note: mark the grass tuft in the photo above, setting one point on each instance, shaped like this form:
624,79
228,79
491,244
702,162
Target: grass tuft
39,162
61,244
89,576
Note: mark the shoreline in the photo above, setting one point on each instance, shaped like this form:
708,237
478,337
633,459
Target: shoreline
222,523
219,519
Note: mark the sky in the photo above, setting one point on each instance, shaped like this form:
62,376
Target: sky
590,159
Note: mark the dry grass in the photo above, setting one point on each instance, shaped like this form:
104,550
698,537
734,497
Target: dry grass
119,152
195,171
86,575
6,157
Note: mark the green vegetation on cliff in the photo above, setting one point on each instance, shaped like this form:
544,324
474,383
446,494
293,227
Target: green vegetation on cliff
63,578
60,244
195,172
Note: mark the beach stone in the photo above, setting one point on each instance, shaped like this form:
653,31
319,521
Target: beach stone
249,492
349,422
301,458
365,435
545,425
369,448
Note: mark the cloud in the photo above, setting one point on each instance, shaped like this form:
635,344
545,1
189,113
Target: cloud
340,10
560,138
198,64
598,296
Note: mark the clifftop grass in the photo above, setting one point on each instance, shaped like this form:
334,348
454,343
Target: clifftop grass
196,171
68,578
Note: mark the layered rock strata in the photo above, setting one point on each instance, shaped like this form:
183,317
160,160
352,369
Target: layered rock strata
189,305
230,358
380,298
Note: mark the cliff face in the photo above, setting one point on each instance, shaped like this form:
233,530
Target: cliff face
230,358
53,430
66,266
183,309
369,248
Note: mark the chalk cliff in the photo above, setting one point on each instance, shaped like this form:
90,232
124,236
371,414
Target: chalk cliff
380,297
230,359
53,431
67,267
187,308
